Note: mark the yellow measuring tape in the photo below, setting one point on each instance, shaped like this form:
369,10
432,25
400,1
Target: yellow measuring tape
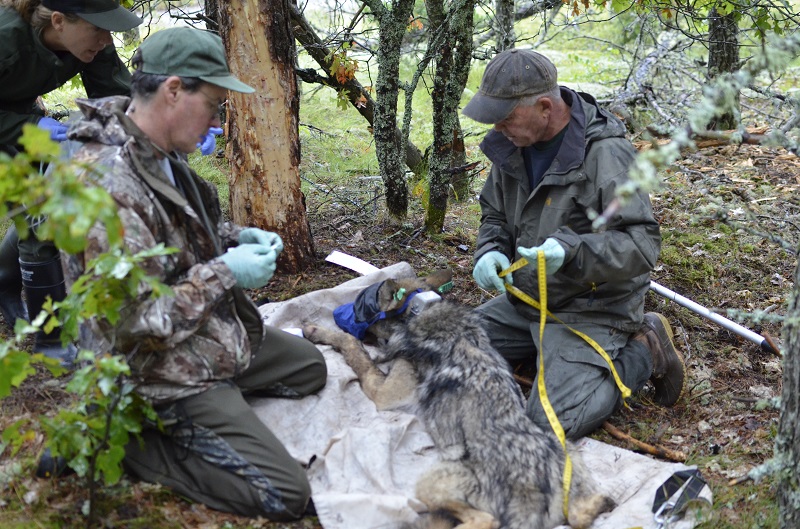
541,306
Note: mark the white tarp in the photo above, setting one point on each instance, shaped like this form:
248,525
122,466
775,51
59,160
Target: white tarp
363,464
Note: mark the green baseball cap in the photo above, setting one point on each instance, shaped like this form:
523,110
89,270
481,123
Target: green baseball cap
189,52
105,14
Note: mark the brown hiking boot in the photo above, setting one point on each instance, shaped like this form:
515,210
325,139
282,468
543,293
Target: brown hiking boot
669,370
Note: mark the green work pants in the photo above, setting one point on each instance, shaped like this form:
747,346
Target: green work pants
579,383
284,365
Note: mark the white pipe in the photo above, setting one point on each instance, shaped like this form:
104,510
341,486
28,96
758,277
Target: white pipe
713,316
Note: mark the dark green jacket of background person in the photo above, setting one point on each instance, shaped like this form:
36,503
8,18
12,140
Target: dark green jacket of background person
29,70
605,274
181,344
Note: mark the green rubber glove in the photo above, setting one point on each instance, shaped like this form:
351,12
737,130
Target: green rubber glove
259,236
486,269
252,264
553,253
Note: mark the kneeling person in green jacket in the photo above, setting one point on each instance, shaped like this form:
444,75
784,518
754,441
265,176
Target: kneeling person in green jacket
556,158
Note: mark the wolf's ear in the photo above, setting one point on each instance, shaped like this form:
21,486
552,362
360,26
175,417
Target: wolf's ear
440,281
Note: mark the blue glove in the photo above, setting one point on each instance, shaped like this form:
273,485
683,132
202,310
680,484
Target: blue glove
58,131
553,254
208,143
252,264
486,269
259,236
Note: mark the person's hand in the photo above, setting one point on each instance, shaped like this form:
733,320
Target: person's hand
208,143
251,264
259,236
58,131
553,254
486,269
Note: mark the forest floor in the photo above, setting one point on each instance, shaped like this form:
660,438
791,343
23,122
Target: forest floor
722,261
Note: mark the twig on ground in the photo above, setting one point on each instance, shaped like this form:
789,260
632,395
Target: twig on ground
658,451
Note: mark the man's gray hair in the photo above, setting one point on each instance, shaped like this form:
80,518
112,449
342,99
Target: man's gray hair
529,101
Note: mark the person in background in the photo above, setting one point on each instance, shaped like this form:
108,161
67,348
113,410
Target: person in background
556,158
194,354
45,44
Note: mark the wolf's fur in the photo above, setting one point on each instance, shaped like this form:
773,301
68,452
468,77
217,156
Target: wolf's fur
499,469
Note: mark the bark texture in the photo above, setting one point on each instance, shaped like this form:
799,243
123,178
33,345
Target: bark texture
787,443
453,51
263,138
388,147
504,24
723,57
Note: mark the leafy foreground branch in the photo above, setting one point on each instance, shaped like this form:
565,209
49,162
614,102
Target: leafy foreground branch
720,98
90,435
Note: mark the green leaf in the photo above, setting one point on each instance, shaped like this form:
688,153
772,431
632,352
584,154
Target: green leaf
121,270
109,463
37,143
15,367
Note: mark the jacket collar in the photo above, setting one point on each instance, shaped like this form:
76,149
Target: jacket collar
508,157
106,122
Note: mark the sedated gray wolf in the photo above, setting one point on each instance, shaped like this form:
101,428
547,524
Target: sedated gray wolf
498,469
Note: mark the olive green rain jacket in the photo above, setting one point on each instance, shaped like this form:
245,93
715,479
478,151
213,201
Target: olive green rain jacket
29,70
605,274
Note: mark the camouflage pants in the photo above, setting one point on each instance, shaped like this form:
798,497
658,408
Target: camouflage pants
578,380
215,449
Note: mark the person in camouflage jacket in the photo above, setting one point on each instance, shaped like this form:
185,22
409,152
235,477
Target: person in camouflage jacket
197,353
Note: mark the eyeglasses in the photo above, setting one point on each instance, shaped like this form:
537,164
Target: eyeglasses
218,108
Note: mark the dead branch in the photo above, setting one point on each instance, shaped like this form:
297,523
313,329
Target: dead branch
658,451
713,138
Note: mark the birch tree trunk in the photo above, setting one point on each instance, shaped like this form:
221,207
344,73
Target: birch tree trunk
262,128
359,97
504,24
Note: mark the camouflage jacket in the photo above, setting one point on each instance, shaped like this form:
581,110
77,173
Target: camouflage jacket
177,345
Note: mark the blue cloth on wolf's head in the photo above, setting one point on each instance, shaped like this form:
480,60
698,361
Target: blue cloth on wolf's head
345,318
356,317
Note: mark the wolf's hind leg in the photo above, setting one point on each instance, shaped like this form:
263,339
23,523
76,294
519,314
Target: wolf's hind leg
446,487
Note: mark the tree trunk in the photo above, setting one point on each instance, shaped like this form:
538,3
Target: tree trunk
452,68
263,137
787,443
723,57
388,147
504,24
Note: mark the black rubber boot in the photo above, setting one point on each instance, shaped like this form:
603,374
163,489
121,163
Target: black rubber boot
11,304
41,280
